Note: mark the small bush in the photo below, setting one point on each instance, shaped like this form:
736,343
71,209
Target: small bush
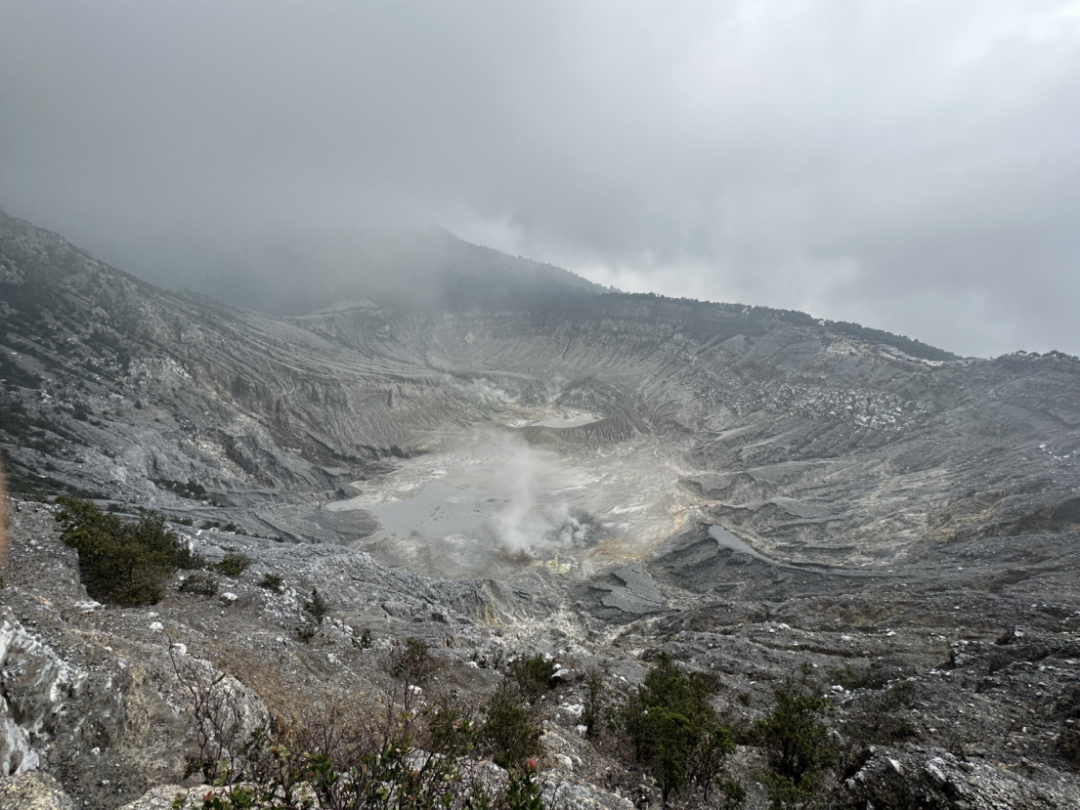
315,610
851,678
272,582
396,759
509,733
523,792
878,718
233,564
412,662
595,714
188,560
125,563
676,733
202,584
532,676
795,737
316,607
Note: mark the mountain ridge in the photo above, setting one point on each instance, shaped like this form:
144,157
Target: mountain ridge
549,276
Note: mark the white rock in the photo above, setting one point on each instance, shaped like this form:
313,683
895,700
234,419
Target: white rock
933,770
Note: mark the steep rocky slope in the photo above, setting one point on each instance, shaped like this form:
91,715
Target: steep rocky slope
747,489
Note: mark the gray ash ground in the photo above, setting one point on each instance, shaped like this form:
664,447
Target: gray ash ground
755,490
995,673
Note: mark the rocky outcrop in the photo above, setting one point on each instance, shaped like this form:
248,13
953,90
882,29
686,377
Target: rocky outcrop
935,779
36,689
33,791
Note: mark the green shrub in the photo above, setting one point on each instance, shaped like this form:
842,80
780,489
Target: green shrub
412,662
878,718
532,676
202,584
523,792
676,733
315,610
851,678
233,564
188,560
795,737
125,563
272,582
316,607
404,760
509,733
595,713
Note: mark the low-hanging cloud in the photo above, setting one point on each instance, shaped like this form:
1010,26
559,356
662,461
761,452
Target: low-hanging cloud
910,164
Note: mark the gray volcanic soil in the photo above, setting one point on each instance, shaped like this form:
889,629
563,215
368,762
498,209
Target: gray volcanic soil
747,489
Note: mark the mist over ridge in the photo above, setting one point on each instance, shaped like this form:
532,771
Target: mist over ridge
901,166
423,268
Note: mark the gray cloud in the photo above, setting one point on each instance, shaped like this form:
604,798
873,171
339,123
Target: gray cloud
912,165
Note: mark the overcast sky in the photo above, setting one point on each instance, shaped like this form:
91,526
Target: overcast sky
913,165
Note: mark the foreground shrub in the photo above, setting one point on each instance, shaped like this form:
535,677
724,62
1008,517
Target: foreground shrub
795,737
532,676
676,733
510,734
404,755
523,792
880,717
595,714
125,563
412,662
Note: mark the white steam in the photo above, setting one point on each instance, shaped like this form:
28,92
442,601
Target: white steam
494,495
535,494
